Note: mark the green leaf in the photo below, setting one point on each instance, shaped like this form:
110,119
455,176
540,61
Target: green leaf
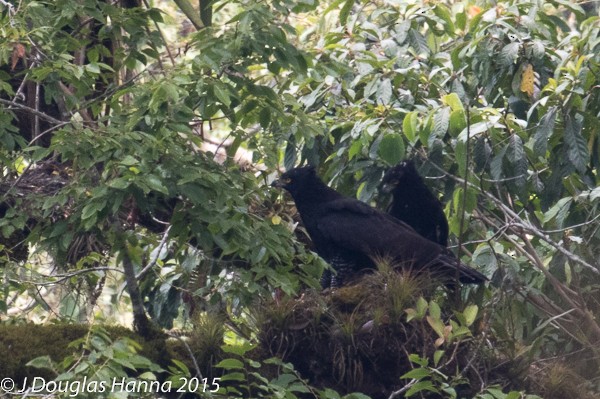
356,395
442,12
515,152
155,15
289,157
460,153
473,130
42,362
459,199
422,306
93,68
437,356
329,394
437,325
148,376
222,94
171,93
355,149
418,42
441,121
129,160
578,152
416,359
230,364
155,184
345,11
516,156
391,149
384,92
559,211
417,374
458,122
236,376
482,153
409,126
513,395
264,117
509,54
496,164
420,387
434,310
453,101
124,363
90,210
470,314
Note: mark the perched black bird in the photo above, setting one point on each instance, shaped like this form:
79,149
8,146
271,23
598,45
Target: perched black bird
350,234
414,203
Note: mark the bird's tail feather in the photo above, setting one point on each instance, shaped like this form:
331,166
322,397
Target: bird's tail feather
466,274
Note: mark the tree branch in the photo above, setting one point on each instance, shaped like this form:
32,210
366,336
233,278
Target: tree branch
30,110
191,13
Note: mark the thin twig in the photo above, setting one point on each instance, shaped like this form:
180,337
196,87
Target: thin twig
189,351
403,389
63,277
153,261
463,210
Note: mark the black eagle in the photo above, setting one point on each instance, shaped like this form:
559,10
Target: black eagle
414,203
350,234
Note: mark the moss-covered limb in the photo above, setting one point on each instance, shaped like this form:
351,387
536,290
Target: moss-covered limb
142,324
20,344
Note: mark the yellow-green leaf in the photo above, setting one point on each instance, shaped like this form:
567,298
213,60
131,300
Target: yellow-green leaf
409,126
470,314
453,101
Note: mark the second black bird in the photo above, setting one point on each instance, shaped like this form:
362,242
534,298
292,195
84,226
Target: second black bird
414,203
350,234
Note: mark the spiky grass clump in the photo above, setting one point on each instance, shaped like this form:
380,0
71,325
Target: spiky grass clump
285,323
205,341
395,287
555,380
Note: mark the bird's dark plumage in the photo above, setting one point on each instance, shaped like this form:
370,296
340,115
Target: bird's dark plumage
414,204
350,234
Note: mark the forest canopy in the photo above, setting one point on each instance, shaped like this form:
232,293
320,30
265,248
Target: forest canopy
139,139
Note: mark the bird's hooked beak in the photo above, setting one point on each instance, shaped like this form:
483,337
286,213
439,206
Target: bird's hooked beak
277,183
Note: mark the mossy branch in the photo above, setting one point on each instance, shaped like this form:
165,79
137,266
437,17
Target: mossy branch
141,323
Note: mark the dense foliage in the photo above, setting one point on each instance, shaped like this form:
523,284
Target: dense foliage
135,144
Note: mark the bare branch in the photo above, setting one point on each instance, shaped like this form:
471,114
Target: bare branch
65,276
33,111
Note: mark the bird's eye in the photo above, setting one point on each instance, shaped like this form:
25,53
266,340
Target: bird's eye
287,180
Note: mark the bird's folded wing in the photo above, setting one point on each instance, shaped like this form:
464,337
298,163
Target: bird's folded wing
354,227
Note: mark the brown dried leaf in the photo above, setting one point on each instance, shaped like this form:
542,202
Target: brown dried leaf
17,54
527,80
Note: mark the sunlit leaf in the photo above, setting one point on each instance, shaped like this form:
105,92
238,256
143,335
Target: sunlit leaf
391,149
470,314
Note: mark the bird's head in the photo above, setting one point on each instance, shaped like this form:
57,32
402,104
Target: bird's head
295,179
393,177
